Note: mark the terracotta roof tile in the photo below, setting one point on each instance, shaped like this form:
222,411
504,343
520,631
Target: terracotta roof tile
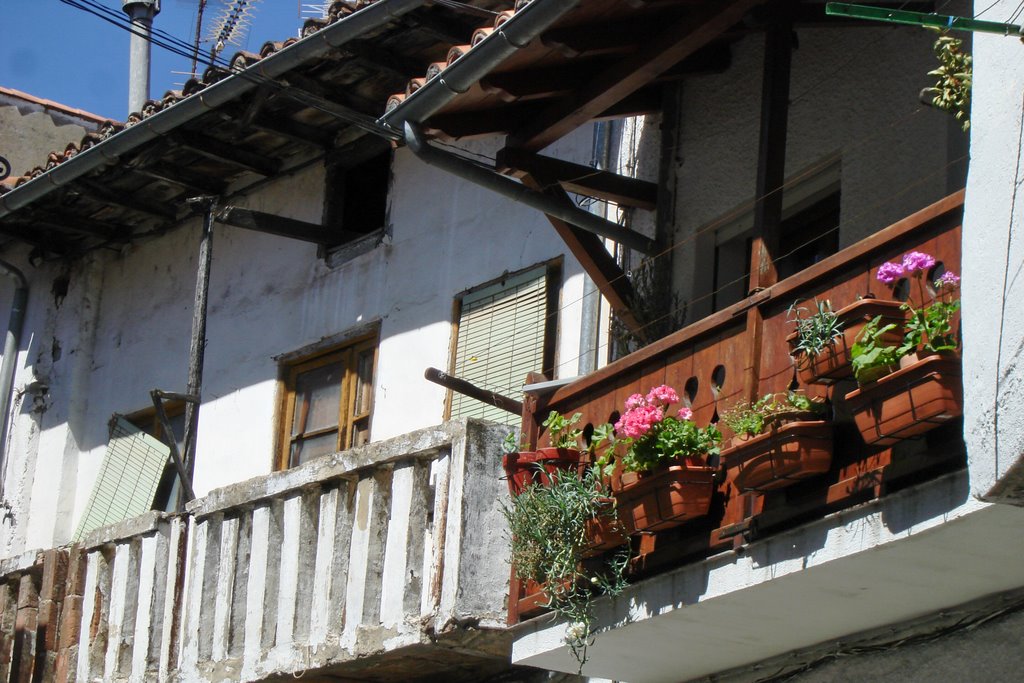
243,59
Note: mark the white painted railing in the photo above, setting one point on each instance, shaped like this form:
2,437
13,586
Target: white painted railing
349,559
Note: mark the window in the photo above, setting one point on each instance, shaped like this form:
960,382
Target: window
808,233
504,330
128,479
167,491
328,402
357,190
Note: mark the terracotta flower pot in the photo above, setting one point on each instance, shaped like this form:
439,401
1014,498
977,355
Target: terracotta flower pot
605,534
833,363
908,402
523,469
782,456
664,498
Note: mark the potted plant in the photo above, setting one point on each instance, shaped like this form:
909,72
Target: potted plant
549,528
822,339
928,389
664,475
523,466
780,439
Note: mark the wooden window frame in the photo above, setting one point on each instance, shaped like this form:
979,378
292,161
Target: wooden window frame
348,355
553,274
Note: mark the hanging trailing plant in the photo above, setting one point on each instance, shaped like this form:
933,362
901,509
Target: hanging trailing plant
952,89
548,530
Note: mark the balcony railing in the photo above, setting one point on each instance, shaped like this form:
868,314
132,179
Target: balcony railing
741,353
369,559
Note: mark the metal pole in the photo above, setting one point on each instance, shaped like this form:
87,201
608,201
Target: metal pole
197,347
943,21
141,13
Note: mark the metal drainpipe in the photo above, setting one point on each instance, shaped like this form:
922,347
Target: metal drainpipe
589,331
11,343
517,192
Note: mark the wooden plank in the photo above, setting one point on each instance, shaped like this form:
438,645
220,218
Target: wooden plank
281,226
581,179
677,40
233,155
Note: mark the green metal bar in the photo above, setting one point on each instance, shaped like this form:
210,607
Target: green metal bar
842,9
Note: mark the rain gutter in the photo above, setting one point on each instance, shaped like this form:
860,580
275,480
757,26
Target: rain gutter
517,192
499,45
11,343
112,149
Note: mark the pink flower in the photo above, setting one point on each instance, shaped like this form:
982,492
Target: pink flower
637,422
634,401
662,394
916,260
889,272
948,279
685,414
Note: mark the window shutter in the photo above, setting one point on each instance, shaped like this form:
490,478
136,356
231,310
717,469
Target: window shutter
500,339
127,482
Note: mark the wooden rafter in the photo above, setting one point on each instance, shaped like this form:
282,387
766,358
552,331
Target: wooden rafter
676,41
554,81
160,210
234,155
581,179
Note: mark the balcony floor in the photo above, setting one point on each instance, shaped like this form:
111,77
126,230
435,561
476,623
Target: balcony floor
892,560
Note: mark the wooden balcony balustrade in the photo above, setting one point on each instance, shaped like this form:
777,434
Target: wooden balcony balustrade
723,359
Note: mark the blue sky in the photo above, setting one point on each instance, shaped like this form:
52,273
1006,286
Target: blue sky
52,50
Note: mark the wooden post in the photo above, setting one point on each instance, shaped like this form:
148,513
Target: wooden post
197,348
771,172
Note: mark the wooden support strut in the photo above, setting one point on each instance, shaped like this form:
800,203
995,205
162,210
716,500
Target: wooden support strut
581,179
281,226
590,251
463,387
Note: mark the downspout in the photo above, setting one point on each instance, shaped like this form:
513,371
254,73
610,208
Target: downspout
591,305
518,192
11,343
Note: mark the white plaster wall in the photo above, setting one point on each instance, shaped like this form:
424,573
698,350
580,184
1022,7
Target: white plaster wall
853,94
992,289
124,327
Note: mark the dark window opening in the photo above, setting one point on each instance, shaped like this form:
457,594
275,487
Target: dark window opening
357,195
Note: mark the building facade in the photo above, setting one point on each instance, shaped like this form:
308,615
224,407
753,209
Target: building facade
608,195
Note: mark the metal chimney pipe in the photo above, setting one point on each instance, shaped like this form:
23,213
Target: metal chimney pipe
141,13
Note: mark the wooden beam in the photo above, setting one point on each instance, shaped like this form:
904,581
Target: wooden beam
284,127
553,81
605,37
75,223
581,179
508,117
182,177
283,227
222,151
676,41
771,174
771,161
125,200
591,253
469,389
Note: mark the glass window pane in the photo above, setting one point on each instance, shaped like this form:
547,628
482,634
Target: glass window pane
304,450
317,399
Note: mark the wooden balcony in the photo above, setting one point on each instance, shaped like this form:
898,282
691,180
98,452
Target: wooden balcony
365,565
740,353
